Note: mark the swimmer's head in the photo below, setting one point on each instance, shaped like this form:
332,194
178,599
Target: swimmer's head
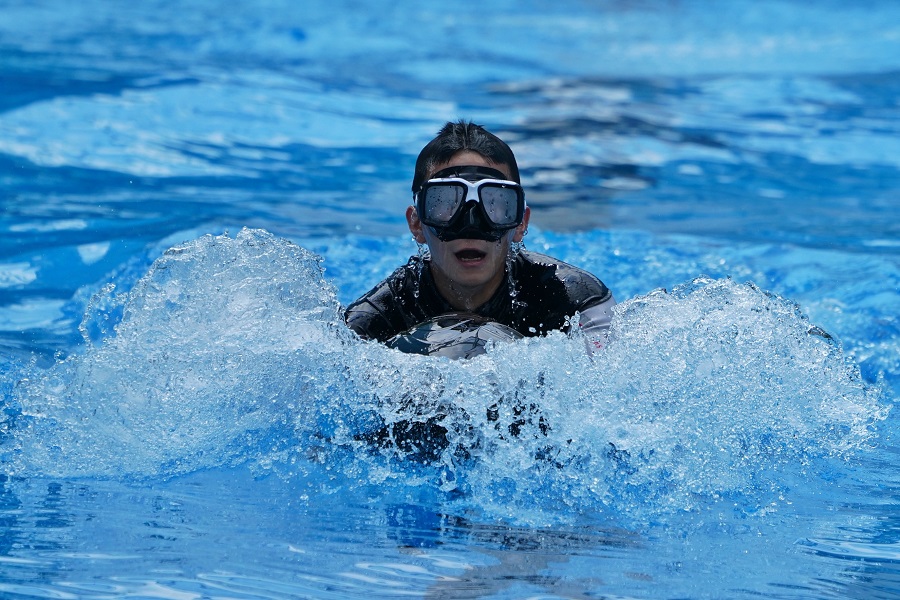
468,250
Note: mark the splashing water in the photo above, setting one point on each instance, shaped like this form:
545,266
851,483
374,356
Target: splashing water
203,361
234,350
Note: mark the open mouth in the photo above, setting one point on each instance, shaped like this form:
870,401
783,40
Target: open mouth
470,255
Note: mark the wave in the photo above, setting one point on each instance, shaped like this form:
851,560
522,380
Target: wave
232,351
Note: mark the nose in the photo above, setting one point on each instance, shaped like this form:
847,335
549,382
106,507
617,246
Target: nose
471,216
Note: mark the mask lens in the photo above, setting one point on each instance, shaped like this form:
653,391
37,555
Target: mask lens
442,201
501,204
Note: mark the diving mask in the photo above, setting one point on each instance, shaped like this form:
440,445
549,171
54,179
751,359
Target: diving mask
470,202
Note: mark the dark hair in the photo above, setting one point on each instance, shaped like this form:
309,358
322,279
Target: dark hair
457,137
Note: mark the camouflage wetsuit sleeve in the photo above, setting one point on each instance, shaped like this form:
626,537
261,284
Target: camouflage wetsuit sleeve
565,290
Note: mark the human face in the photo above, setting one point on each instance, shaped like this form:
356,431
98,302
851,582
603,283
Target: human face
467,271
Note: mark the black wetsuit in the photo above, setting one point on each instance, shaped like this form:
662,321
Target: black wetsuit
548,292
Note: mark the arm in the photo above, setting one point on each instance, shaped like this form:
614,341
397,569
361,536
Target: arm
594,322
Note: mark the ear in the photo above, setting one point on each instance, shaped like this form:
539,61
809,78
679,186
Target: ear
522,229
415,225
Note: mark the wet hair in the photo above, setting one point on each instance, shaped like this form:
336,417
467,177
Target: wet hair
458,137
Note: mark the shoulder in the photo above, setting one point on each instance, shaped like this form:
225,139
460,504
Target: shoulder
581,287
380,312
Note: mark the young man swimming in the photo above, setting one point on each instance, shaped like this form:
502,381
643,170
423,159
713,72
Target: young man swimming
469,209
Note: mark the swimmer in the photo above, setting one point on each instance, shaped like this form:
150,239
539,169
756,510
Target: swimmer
469,210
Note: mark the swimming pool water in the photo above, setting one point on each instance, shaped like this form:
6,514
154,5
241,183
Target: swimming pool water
191,194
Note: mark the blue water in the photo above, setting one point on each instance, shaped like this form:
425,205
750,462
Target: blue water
191,193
